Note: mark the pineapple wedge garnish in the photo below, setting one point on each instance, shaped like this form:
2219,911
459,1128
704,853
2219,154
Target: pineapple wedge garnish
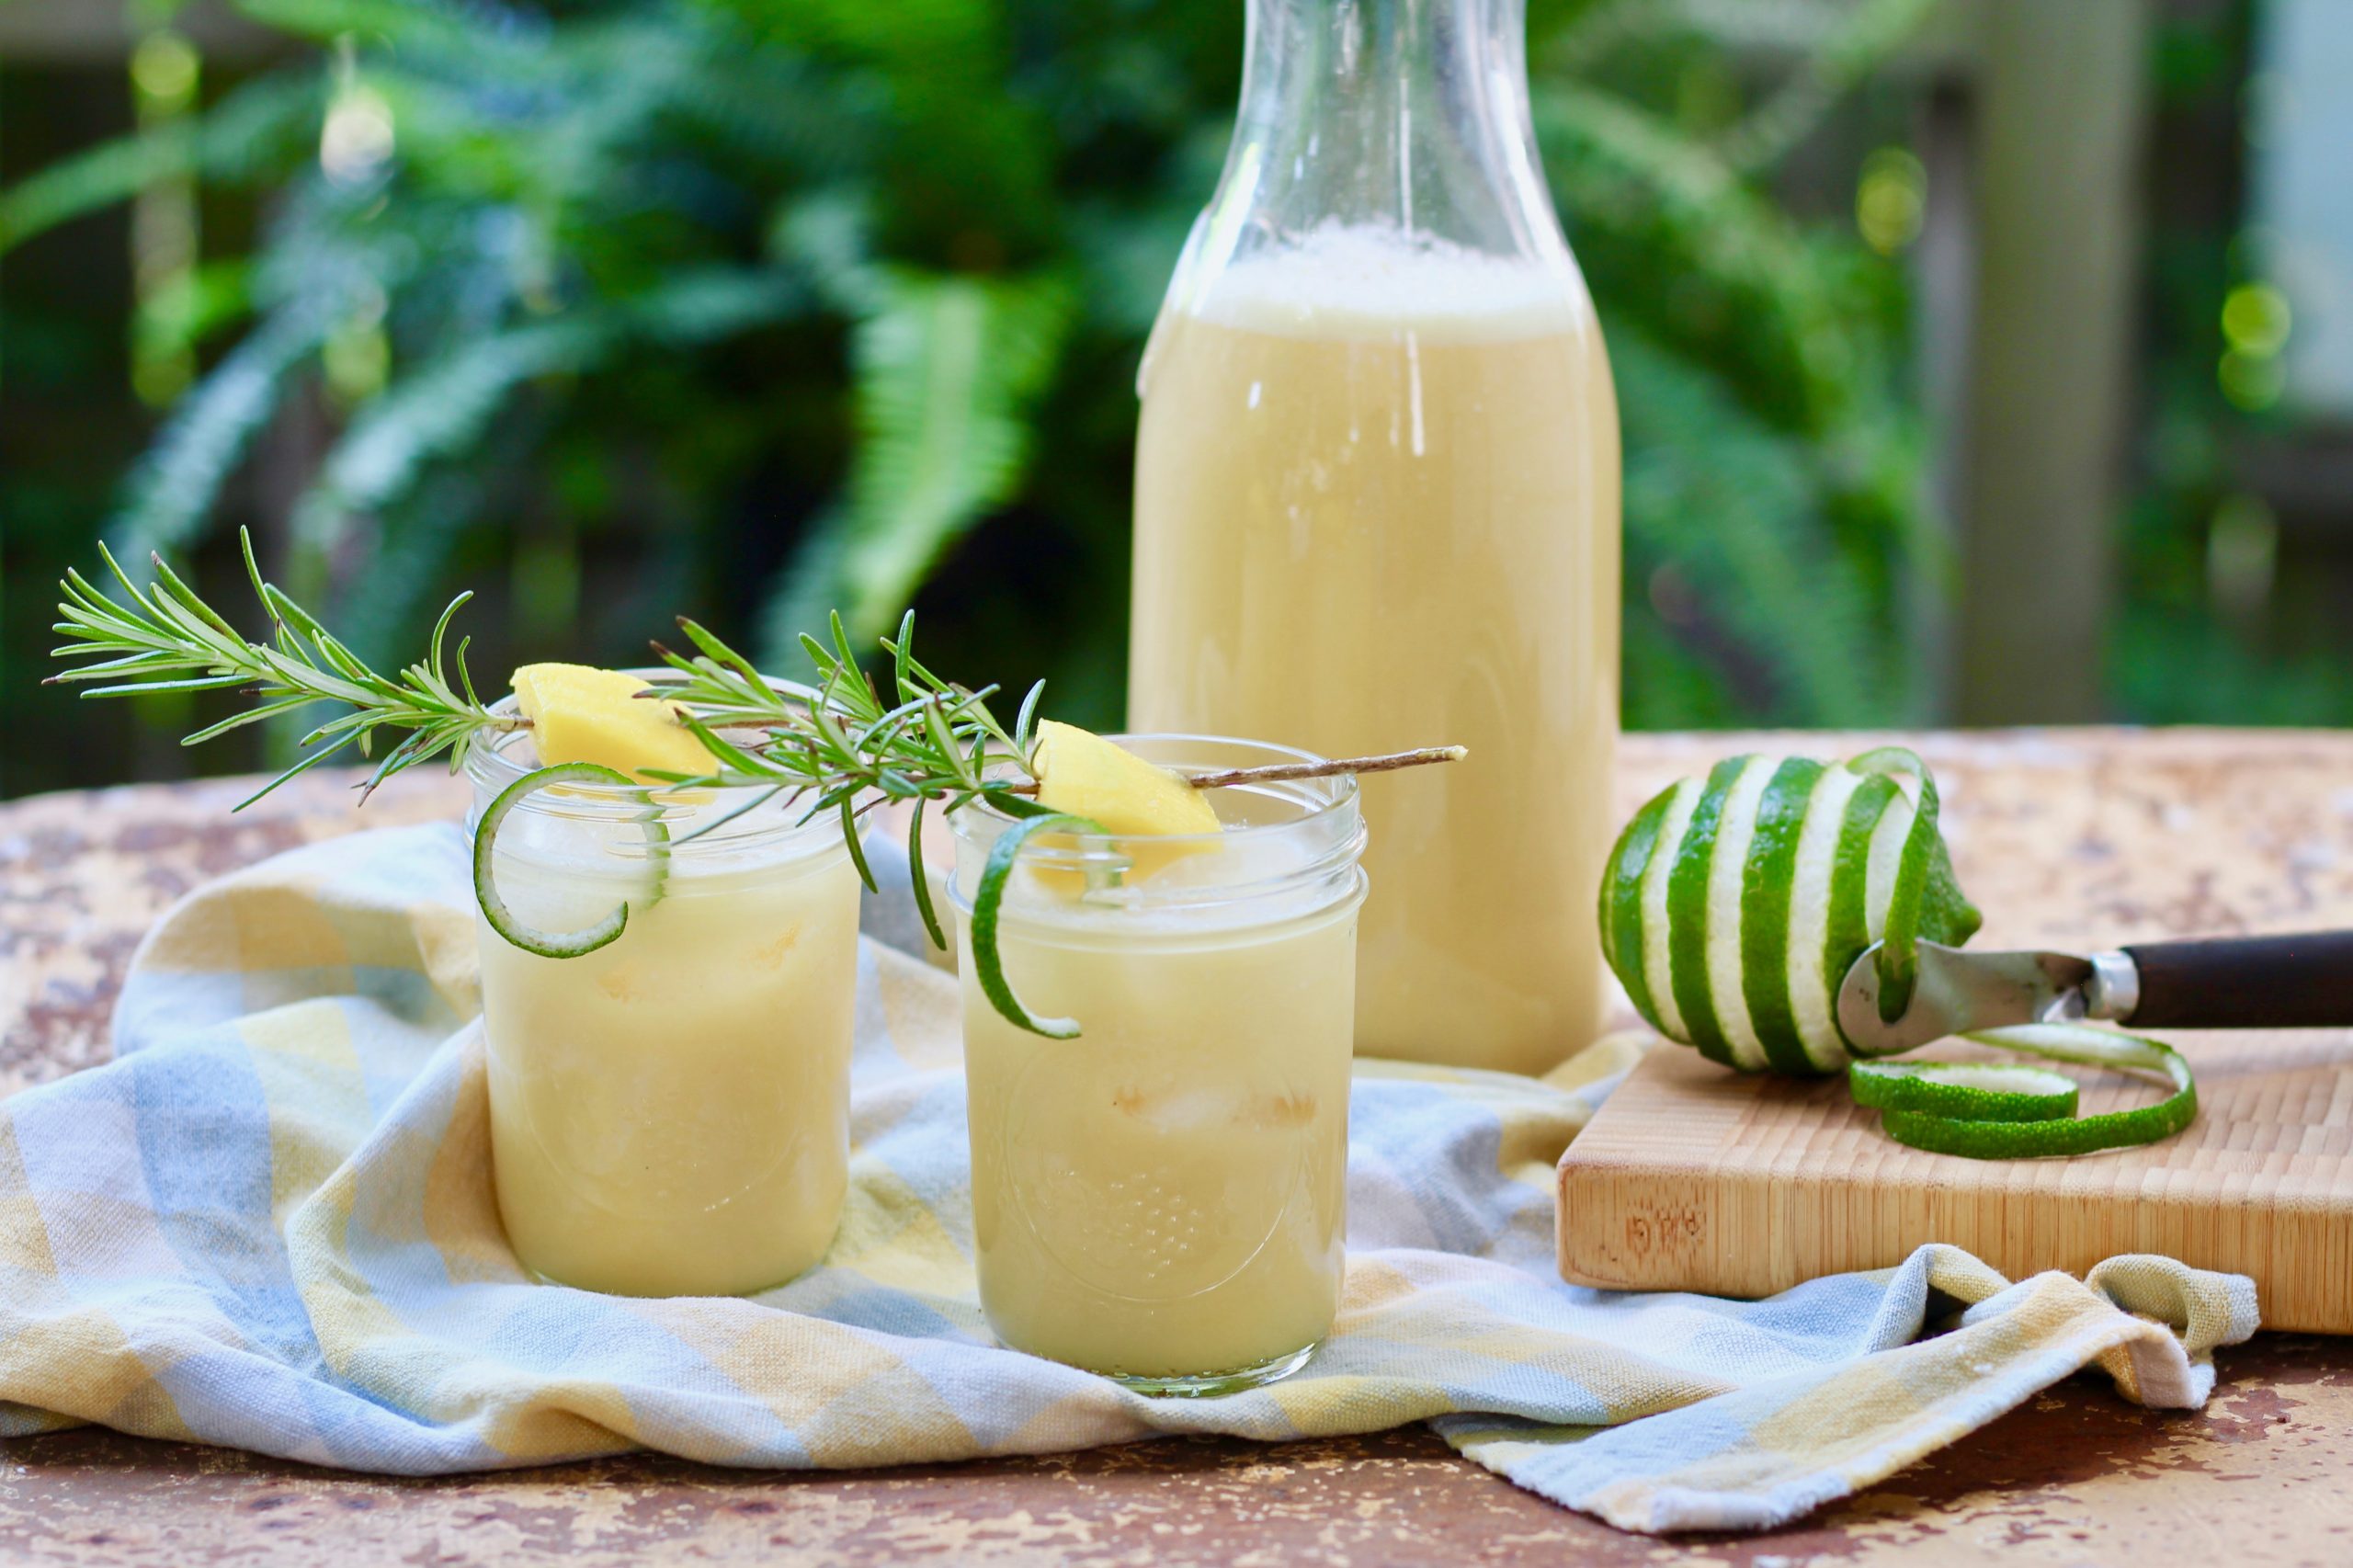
582,714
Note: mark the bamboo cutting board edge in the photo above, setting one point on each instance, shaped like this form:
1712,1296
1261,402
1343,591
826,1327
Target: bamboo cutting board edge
1693,1178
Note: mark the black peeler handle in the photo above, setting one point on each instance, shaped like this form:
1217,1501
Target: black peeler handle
2240,982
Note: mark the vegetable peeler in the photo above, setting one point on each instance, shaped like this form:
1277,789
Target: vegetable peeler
2231,982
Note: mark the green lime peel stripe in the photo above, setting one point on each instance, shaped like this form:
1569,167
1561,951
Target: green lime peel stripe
1767,882
1622,897
1687,915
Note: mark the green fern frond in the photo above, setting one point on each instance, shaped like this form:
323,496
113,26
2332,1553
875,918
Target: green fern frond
963,161
1632,182
828,236
807,589
250,133
173,488
945,372
783,112
1736,512
411,23
1861,41
443,410
409,563
697,305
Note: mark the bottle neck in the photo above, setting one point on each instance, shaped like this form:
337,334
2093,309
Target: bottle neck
1404,115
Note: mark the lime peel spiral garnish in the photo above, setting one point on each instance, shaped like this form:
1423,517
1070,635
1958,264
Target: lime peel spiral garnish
597,934
1733,905
988,900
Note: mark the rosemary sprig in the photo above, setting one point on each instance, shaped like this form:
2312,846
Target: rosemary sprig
840,747
168,639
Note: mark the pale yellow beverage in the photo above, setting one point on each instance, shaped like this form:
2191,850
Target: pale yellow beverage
1164,1197
669,1113
1377,506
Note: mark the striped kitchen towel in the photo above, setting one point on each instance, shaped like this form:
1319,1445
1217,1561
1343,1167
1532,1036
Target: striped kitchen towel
269,1224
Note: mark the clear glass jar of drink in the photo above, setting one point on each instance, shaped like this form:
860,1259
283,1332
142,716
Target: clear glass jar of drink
669,1113
1163,1199
1377,504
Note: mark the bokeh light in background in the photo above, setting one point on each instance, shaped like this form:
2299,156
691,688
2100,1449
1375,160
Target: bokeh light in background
2256,320
1891,199
164,75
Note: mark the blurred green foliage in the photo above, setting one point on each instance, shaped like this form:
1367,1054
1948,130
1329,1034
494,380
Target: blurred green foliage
2234,611
746,308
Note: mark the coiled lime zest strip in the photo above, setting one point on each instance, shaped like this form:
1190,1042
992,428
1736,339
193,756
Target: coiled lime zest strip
988,900
1733,905
1953,1108
1963,1091
598,934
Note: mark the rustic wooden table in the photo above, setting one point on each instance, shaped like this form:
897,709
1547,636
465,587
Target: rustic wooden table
2106,833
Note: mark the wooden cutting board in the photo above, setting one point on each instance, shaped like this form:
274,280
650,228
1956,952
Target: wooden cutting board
1694,1178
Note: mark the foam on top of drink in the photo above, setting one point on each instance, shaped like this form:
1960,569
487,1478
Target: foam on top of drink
1360,281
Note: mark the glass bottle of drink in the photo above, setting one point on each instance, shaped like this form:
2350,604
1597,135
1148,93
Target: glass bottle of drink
1377,504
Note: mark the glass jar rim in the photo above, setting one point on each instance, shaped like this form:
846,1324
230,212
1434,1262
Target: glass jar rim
1341,786
1330,832
718,816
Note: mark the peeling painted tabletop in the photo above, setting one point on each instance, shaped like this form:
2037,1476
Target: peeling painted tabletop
2059,834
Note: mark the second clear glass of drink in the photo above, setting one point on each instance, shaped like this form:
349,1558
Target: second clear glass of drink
1163,1199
